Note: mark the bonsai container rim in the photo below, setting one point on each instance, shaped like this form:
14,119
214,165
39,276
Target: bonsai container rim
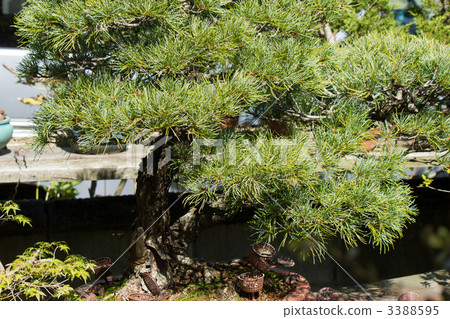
257,247
253,284
6,120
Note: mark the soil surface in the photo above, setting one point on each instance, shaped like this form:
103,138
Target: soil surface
279,284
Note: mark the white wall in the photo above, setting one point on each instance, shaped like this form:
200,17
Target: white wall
10,90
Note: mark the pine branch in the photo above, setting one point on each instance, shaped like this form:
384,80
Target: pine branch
436,189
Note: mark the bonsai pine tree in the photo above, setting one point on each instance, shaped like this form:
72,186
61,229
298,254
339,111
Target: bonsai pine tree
362,17
124,70
433,19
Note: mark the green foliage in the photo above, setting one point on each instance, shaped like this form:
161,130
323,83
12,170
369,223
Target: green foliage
364,203
61,190
433,19
117,69
433,128
132,106
247,170
394,72
362,17
39,274
342,133
426,181
8,212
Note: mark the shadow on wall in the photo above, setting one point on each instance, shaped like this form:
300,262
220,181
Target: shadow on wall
424,247
230,241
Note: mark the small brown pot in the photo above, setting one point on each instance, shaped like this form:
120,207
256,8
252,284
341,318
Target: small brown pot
264,250
229,122
369,145
257,262
279,128
372,139
251,282
150,283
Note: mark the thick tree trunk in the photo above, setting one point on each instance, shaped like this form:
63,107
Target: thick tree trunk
161,244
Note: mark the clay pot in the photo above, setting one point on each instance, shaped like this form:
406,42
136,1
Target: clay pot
264,250
251,282
69,142
278,128
257,262
150,283
6,131
229,122
373,134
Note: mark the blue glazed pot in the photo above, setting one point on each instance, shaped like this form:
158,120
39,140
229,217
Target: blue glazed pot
6,131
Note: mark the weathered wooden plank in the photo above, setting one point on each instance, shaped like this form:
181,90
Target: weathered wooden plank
415,159
58,164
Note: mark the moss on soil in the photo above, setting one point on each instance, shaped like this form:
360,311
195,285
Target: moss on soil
226,289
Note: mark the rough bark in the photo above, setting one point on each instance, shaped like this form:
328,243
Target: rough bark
161,244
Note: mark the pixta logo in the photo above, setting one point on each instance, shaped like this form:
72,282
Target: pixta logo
143,149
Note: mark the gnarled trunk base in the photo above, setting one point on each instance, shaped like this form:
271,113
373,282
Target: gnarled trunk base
161,244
